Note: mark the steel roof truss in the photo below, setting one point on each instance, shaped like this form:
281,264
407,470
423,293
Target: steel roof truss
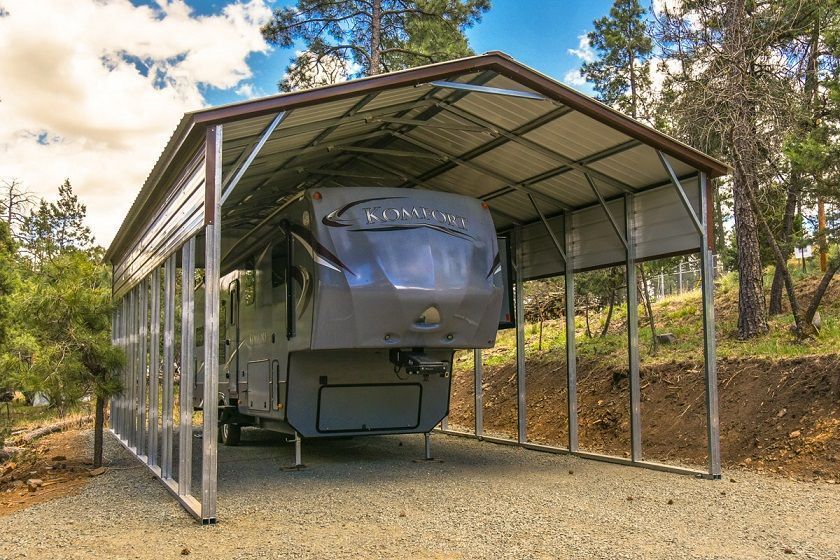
681,193
490,90
530,144
228,187
551,234
610,217
481,169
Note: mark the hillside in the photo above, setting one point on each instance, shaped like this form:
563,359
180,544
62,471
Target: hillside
779,399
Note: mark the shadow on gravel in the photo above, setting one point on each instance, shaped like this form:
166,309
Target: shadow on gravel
259,462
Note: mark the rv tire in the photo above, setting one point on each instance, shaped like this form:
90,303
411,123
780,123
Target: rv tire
230,434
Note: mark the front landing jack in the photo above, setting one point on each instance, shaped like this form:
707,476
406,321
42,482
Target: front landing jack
298,465
427,444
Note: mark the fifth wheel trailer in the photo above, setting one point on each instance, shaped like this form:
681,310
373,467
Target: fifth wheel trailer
345,319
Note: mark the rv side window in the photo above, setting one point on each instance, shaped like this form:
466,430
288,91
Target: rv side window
279,260
222,329
248,287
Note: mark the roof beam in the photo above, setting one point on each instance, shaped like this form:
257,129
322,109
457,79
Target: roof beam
491,90
530,144
429,124
481,169
496,142
557,171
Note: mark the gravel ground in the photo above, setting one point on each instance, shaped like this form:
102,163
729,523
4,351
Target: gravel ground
366,498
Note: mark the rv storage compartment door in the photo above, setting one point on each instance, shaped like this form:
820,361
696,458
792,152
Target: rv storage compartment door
359,408
259,390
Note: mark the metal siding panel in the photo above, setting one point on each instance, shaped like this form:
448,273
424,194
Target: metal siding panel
595,243
662,225
180,216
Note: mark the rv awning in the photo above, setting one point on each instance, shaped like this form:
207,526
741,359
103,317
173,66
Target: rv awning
485,126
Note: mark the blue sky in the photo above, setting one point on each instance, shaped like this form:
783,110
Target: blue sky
538,33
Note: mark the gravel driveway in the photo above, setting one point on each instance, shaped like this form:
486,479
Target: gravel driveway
366,498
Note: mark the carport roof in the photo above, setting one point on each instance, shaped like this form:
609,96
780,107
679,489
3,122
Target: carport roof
485,126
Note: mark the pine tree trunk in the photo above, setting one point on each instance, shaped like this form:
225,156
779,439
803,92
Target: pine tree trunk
821,289
752,309
609,314
804,329
787,235
375,38
98,427
642,286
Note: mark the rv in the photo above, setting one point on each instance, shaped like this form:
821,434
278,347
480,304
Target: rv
344,319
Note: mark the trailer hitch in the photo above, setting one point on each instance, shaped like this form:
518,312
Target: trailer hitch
416,362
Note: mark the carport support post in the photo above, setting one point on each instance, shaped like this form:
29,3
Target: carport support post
478,374
124,375
132,368
571,348
633,332
709,355
520,341
154,363
187,367
212,264
143,318
114,416
168,366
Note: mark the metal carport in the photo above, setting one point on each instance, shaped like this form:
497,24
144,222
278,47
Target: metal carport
577,185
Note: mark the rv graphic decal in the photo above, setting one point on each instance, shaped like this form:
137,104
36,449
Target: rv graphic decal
301,276
318,252
496,267
390,217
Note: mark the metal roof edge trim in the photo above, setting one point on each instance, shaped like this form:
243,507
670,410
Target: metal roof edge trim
190,128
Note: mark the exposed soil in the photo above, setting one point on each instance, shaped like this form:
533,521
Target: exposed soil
60,461
780,416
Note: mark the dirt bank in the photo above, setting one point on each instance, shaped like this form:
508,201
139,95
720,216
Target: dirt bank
776,415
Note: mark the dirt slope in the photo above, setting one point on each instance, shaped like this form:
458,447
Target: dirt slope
776,415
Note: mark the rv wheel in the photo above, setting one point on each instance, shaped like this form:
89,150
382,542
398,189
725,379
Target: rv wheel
230,434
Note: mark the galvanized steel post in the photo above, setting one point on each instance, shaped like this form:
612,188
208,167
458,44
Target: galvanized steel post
571,348
478,373
709,354
168,367
185,390
132,369
142,371
520,341
633,333
212,266
154,368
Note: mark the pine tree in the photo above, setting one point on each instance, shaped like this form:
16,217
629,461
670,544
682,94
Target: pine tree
55,227
349,38
8,280
621,74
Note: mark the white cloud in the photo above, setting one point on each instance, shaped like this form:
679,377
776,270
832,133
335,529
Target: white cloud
573,78
584,51
92,89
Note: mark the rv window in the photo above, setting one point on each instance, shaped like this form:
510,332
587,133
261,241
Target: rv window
278,264
248,288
